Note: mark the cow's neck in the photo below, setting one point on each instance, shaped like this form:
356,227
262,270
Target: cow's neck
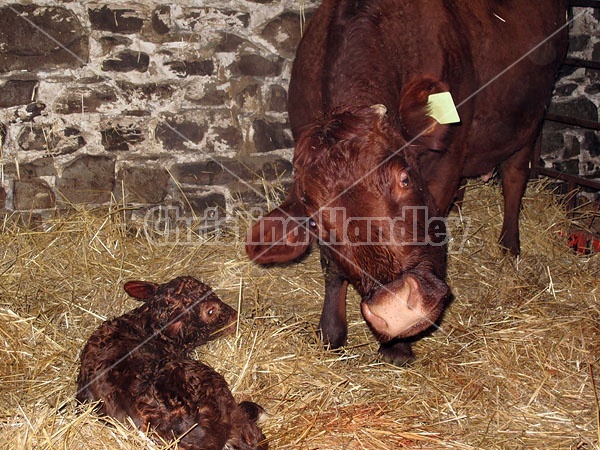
359,69
357,73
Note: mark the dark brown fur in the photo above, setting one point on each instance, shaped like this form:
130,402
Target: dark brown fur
137,365
374,161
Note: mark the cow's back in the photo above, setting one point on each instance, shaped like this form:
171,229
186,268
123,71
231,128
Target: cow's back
498,57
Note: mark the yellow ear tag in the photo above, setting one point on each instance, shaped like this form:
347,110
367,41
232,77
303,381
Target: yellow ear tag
441,108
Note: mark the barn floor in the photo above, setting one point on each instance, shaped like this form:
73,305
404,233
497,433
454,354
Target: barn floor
513,365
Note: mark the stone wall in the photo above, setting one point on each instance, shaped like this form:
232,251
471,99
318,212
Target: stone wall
183,103
145,102
570,149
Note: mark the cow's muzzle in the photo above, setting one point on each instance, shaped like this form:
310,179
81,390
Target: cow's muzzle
405,307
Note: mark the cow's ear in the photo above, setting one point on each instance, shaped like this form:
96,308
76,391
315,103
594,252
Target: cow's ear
379,109
141,290
417,125
280,236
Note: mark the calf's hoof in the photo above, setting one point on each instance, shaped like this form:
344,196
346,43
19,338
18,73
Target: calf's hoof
398,353
254,411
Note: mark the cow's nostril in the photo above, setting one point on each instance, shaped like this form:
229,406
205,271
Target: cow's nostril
411,294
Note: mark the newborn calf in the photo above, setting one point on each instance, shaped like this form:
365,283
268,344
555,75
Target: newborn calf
138,366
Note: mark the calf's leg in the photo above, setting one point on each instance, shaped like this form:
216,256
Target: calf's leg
333,323
515,173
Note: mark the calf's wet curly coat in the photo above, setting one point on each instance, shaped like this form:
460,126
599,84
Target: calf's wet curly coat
138,366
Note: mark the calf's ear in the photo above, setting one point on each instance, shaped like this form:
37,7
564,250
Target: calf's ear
280,236
141,290
417,125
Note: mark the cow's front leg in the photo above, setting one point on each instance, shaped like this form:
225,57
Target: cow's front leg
333,323
515,173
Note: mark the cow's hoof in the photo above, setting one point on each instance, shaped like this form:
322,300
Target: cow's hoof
333,340
510,245
398,353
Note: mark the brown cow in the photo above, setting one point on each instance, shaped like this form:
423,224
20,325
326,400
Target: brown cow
374,172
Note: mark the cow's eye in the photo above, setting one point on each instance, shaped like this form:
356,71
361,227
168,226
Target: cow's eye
404,179
312,223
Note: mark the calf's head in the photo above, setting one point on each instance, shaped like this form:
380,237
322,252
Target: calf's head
184,310
359,190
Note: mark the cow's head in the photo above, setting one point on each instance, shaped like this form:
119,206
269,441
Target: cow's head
358,189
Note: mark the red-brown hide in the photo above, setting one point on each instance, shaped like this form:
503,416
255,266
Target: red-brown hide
366,147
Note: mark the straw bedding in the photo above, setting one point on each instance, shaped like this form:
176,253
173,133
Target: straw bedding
514,365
